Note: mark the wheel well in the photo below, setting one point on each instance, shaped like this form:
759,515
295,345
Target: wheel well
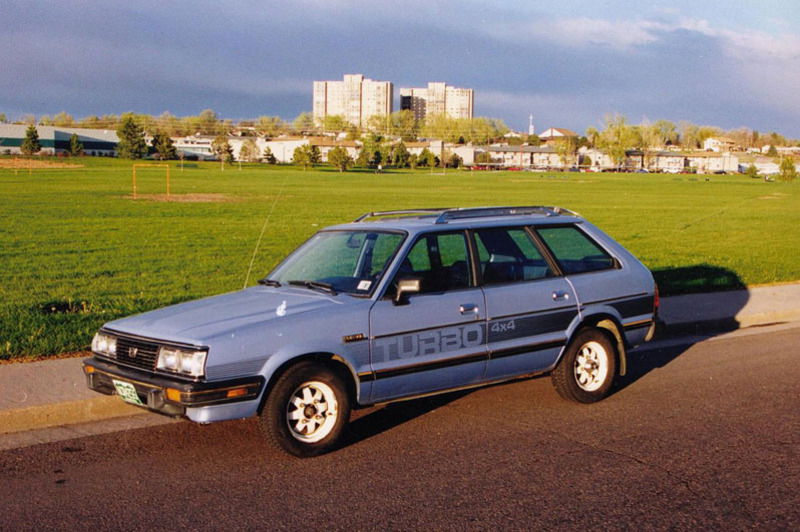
329,360
609,326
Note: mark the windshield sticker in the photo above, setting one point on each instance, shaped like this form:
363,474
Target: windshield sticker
364,285
281,310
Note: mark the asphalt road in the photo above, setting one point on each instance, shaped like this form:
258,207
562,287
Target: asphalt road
703,436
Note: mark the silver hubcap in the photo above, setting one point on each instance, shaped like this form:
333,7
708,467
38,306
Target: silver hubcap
312,411
591,366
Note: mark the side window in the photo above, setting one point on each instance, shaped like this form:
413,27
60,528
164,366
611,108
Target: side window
509,255
439,260
574,250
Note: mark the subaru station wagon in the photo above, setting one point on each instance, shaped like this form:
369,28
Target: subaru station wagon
392,306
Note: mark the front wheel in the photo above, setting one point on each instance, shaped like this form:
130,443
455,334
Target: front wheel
586,371
306,411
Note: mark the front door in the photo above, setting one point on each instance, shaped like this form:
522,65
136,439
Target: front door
435,339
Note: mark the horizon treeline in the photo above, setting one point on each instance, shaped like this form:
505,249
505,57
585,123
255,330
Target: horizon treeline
403,125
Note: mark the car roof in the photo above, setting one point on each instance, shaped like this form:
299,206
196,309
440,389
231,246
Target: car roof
417,220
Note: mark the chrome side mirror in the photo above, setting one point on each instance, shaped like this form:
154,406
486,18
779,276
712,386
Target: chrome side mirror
406,287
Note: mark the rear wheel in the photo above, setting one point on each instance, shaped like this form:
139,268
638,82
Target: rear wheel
587,369
306,411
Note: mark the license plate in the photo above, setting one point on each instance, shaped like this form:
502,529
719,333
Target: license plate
127,392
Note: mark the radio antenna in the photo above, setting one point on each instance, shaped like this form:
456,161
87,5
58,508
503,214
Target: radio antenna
263,230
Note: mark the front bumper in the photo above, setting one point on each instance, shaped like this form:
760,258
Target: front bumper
168,396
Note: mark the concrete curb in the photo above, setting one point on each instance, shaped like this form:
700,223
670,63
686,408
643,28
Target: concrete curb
53,393
65,413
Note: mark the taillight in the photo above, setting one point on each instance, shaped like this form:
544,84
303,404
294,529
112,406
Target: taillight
656,302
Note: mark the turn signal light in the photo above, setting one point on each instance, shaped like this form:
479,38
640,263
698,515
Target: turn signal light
174,395
236,392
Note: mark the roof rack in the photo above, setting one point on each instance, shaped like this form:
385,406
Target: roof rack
447,214
406,212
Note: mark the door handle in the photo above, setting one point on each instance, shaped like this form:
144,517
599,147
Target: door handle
560,295
466,308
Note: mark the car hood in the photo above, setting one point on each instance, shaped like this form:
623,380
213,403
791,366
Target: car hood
196,322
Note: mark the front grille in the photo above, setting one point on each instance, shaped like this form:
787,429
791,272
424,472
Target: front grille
137,353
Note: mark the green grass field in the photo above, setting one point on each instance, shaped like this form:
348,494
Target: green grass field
76,250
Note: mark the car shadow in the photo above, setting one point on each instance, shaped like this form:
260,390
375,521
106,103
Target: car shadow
392,415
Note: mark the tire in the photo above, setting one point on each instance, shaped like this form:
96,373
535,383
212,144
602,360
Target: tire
587,370
306,411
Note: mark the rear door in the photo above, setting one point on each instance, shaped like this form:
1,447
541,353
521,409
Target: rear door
437,338
529,306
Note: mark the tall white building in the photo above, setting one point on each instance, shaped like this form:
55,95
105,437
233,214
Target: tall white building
438,98
356,98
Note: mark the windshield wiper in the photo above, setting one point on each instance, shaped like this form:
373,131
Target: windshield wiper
315,285
269,282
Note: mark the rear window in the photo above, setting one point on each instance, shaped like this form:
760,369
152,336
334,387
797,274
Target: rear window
574,250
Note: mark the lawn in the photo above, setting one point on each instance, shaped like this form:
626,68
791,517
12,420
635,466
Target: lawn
77,250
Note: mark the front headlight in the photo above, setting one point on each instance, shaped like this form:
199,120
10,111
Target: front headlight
105,344
176,360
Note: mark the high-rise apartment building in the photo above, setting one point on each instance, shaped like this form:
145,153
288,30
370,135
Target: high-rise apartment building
438,98
356,98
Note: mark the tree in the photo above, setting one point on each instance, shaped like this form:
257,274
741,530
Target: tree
306,155
31,144
373,152
752,171
300,157
400,155
453,160
131,139
269,157
533,140
208,122
170,124
379,124
63,119
75,146
565,148
334,123
222,149
788,170
271,126
249,151
426,158
3,118
772,151
163,146
304,123
617,137
339,158
403,125
483,157
651,139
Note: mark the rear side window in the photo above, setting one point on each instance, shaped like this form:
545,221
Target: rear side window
508,255
575,251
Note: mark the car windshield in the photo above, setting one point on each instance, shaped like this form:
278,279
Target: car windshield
339,261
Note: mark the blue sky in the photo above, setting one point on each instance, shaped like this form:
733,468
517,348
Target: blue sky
569,63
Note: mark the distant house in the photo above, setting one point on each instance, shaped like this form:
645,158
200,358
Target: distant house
703,163
526,156
55,140
194,147
556,133
720,144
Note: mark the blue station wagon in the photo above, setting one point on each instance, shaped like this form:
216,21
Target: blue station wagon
392,306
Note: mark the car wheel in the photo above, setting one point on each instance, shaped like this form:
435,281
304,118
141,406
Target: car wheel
306,411
586,371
